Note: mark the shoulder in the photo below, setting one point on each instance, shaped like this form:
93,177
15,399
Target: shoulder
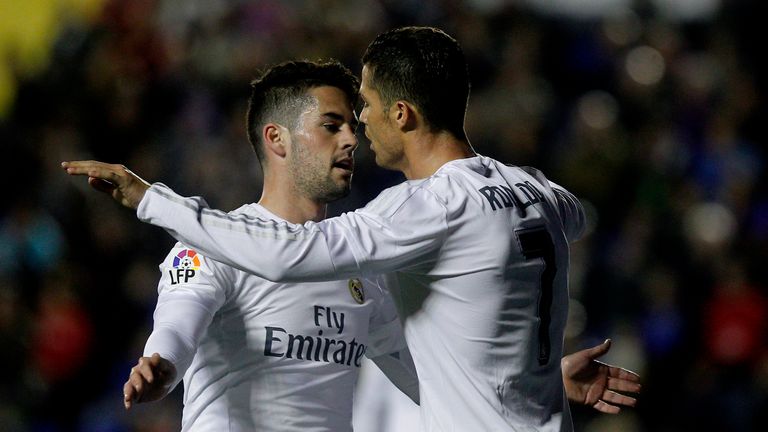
410,194
440,186
183,257
189,258
185,267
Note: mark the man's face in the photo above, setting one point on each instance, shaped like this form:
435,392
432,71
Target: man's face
321,154
379,128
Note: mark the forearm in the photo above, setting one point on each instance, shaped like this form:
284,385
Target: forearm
181,317
271,250
171,346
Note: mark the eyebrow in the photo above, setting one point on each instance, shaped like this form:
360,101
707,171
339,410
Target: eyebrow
339,117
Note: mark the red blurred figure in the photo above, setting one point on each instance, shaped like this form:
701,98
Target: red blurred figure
63,333
735,318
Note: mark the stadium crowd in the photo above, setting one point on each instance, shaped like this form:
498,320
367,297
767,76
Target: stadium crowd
654,116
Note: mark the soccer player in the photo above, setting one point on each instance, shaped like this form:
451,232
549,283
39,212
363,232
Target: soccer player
259,355
487,245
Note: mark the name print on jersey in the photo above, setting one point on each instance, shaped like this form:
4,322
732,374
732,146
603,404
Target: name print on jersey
280,343
502,196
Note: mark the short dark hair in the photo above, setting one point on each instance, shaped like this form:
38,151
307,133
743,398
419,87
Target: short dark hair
426,67
280,94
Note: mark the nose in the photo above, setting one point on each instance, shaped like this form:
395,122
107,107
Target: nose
363,117
348,138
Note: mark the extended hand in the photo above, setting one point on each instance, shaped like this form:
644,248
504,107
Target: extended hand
149,380
125,187
590,382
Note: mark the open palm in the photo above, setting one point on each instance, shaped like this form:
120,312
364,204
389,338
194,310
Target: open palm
590,382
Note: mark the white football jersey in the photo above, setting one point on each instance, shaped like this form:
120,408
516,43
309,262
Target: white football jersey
380,407
267,356
481,254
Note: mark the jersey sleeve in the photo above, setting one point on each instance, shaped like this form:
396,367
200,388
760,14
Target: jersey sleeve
569,208
190,291
374,240
571,213
387,347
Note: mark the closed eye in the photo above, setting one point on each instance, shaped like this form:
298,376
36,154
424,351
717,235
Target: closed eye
331,127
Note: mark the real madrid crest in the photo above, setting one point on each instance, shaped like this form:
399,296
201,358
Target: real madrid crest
356,289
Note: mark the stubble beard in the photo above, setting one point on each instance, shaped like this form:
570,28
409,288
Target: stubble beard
313,177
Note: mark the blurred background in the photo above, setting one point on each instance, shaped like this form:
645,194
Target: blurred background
652,112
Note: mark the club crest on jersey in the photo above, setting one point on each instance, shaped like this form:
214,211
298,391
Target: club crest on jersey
186,264
356,289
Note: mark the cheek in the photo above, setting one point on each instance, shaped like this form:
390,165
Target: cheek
377,129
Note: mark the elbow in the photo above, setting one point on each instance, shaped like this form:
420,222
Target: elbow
276,273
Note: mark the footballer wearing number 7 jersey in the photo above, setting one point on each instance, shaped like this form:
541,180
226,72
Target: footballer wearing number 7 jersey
486,243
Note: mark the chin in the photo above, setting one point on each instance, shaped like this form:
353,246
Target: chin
382,163
335,195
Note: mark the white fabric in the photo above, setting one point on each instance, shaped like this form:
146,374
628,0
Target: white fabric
258,355
380,407
472,246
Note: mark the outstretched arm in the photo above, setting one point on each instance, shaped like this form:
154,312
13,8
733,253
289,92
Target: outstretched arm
402,232
590,382
149,380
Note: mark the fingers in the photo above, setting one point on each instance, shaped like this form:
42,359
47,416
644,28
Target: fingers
99,169
621,373
599,350
154,361
101,185
112,173
99,173
606,407
139,382
129,394
624,385
162,367
618,399
145,370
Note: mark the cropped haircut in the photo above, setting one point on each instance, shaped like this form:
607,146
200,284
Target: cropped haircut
280,94
426,67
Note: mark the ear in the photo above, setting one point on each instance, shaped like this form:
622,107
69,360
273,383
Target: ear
275,139
404,115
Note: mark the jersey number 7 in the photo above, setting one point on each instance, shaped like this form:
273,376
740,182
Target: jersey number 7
537,243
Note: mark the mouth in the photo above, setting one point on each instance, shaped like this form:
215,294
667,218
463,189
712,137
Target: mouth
347,164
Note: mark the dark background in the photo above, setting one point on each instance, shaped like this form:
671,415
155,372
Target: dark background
652,112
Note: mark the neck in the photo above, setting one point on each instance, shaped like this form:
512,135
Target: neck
281,198
426,152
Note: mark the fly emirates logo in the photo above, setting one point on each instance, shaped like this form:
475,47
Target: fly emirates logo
326,347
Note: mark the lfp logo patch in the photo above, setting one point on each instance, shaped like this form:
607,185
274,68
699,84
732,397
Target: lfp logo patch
185,265
186,259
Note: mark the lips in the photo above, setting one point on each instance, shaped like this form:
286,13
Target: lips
345,164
